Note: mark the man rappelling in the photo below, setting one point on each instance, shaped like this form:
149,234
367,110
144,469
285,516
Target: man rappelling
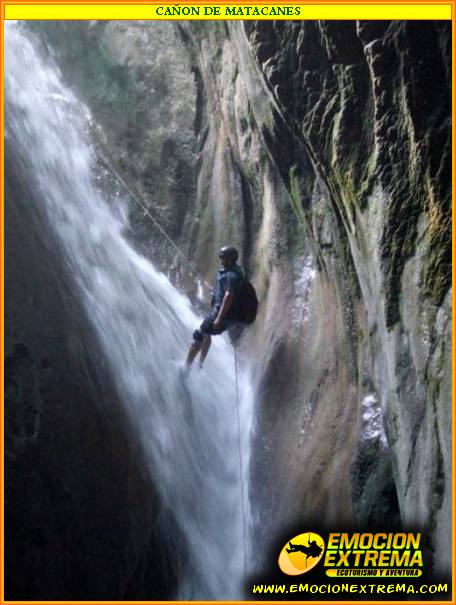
233,300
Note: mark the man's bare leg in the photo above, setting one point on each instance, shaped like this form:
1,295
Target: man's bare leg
205,349
192,353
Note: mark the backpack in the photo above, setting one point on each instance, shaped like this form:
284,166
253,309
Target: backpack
248,303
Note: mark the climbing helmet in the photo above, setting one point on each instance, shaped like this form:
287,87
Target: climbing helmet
229,252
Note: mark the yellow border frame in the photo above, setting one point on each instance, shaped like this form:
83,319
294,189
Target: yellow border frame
355,5
2,329
310,10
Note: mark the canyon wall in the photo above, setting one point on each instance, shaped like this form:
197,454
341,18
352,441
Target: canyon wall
323,151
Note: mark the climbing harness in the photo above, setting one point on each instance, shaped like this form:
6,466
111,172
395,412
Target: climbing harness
202,280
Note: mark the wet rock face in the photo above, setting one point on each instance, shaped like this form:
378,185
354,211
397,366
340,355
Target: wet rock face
340,132
369,104
73,475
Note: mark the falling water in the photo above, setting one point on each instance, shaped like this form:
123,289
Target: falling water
187,427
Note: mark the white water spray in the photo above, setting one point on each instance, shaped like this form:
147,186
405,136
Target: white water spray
187,429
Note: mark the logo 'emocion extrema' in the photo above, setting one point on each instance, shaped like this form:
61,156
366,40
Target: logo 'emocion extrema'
301,553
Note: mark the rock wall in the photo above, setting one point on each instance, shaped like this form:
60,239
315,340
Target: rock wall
327,161
370,105
323,151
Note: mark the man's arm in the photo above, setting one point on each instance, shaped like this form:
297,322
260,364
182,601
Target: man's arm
231,281
226,304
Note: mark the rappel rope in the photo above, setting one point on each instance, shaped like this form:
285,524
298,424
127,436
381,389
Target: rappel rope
156,223
241,466
202,280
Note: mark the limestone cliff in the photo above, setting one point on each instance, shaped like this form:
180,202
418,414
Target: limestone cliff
370,104
347,125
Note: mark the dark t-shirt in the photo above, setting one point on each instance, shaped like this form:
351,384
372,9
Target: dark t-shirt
229,280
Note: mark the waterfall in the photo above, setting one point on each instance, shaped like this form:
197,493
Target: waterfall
186,427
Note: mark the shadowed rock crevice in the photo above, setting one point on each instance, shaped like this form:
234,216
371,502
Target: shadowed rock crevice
73,474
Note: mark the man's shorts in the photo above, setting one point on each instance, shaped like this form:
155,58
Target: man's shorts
207,327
